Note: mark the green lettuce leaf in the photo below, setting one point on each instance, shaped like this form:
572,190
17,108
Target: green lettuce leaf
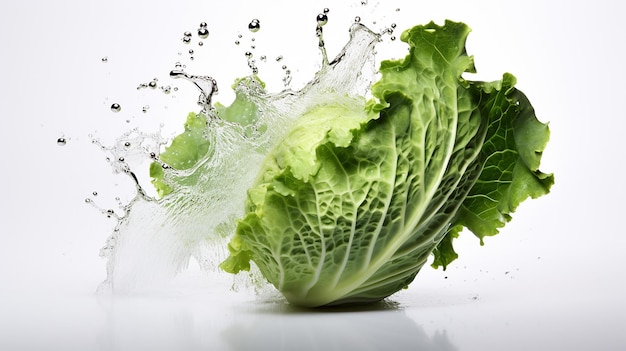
184,152
510,160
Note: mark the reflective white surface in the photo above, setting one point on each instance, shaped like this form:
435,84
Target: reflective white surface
552,280
437,317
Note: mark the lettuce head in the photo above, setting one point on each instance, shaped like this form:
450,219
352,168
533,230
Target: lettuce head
350,204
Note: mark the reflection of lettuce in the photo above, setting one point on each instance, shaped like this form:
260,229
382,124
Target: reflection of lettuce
350,204
365,328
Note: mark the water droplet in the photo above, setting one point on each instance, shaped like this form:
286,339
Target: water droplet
387,31
166,89
397,9
127,144
61,141
263,58
239,36
357,19
393,25
200,43
145,109
236,42
203,25
153,83
121,159
326,10
287,80
393,37
177,74
95,193
87,200
363,2
115,107
322,19
105,59
186,40
191,51
248,54
187,34
254,25
203,33
279,58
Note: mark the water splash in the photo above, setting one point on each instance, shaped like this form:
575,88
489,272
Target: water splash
155,238
207,86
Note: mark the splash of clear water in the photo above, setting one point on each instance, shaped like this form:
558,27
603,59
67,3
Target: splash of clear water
155,238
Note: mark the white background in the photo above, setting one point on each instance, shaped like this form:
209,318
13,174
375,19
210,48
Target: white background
552,280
